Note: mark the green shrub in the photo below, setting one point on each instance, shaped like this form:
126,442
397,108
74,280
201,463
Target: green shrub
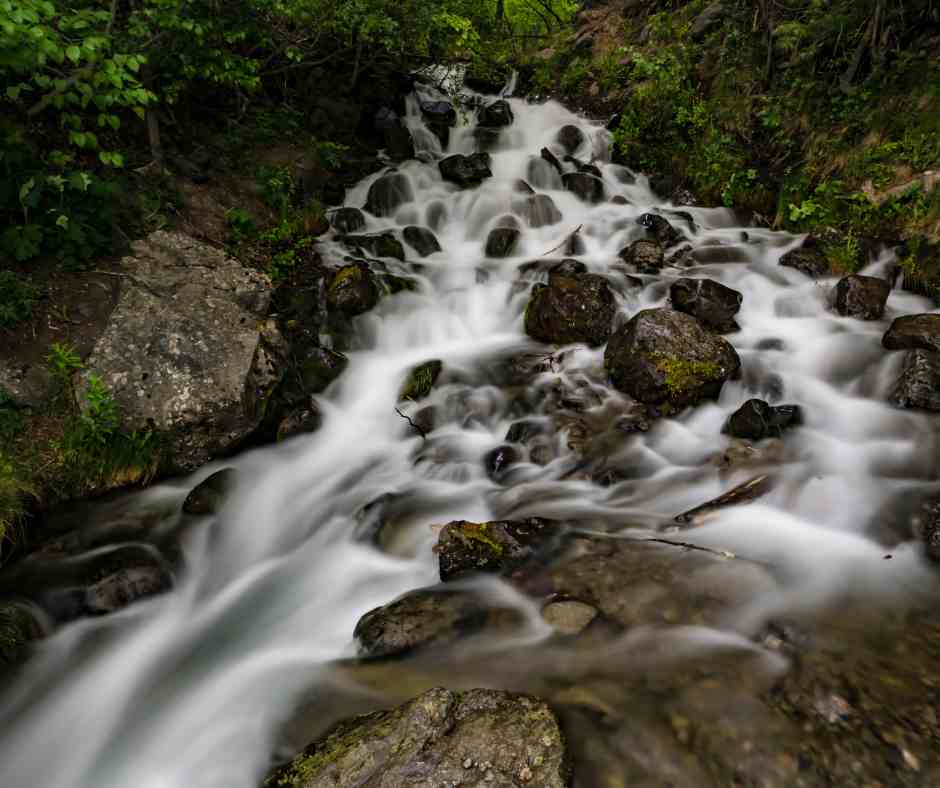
17,298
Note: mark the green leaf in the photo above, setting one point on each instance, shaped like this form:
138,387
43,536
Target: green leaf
73,53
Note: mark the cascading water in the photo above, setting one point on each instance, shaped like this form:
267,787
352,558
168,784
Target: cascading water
190,688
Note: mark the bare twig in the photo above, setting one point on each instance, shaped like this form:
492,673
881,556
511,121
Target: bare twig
421,432
556,248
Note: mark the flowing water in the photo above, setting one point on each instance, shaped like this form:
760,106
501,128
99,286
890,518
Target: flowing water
191,689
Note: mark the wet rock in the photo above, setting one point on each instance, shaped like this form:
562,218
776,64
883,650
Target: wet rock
208,496
540,211
711,302
421,380
913,332
568,268
552,159
619,199
347,220
387,193
188,351
587,187
569,617
501,242
666,358
378,245
320,367
570,138
497,461
929,528
125,586
659,228
299,421
571,308
439,116
498,546
26,385
646,255
756,420
525,430
862,297
918,386
424,618
441,738
667,187
353,290
749,491
497,114
422,240
466,171
574,244
486,139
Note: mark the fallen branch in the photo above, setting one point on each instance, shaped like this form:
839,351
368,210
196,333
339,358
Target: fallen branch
556,248
417,429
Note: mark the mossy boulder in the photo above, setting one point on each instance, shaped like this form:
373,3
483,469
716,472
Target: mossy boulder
478,737
645,255
571,308
666,358
421,380
353,290
301,420
378,245
464,547
21,623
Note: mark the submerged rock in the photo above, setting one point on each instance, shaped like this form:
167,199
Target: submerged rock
378,245
498,546
913,332
353,290
301,420
421,380
424,618
208,496
501,242
570,138
659,228
475,738
646,255
497,114
571,308
862,297
486,139
711,302
188,352
466,170
918,386
126,585
666,358
421,239
756,420
588,187
540,210
497,461
347,220
387,193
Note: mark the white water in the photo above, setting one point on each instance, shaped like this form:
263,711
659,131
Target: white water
187,690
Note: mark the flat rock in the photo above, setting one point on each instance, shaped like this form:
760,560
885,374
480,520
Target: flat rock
187,351
475,739
663,357
913,332
464,547
862,297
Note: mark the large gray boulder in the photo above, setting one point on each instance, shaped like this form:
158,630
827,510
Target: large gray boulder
475,739
187,351
663,357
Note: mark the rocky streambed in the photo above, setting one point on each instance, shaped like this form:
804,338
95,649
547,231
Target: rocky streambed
574,484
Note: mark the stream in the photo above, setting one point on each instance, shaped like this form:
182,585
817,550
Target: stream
208,685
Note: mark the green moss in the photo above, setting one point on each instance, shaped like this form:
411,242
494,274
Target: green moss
682,375
14,490
348,273
479,533
421,380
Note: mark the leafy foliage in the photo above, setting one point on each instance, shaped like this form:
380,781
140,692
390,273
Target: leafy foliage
17,298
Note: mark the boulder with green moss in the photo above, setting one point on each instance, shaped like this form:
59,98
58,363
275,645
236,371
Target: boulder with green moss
666,358
571,308
475,738
421,380
353,290
465,547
